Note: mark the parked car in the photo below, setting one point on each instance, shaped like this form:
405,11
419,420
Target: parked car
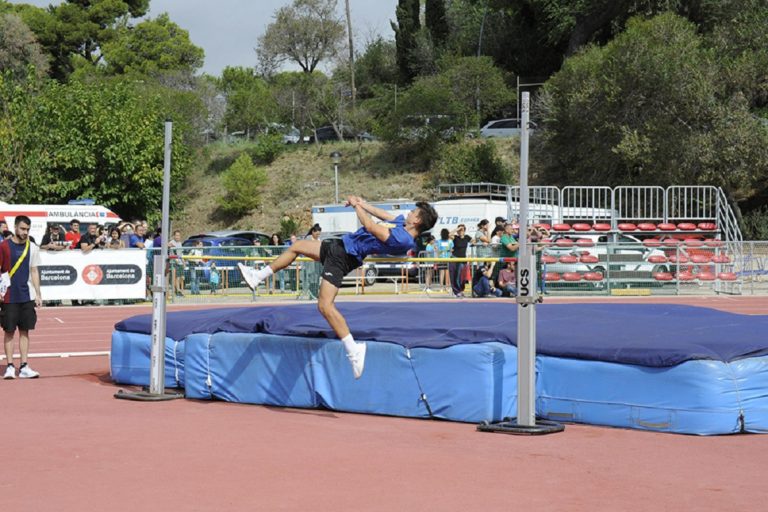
328,134
422,126
504,128
627,255
234,233
290,134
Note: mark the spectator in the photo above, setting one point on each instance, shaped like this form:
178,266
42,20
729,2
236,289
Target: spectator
19,260
214,277
496,235
139,238
195,260
461,241
291,240
90,240
498,225
3,226
275,250
507,280
444,248
430,251
157,240
508,247
103,237
73,235
481,281
114,241
177,263
126,230
482,236
314,232
53,240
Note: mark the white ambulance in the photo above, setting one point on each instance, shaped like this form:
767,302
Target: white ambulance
42,215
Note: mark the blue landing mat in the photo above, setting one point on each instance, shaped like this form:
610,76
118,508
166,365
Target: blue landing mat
643,334
718,387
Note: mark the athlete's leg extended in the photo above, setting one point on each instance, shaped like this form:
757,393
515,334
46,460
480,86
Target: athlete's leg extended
307,248
355,350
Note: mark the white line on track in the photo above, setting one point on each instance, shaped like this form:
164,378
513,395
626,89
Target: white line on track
58,319
63,354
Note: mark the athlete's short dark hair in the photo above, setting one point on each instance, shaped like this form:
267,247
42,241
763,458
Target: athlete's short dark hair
22,218
427,215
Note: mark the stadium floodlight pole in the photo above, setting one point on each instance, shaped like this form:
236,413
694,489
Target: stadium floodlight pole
159,289
527,297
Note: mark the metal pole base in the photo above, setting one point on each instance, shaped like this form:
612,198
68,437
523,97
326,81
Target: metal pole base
510,426
146,396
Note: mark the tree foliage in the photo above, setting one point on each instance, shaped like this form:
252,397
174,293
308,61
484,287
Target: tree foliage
242,185
250,104
436,22
305,33
406,30
151,46
650,108
19,49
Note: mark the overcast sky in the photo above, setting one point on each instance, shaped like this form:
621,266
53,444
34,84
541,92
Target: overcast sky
227,29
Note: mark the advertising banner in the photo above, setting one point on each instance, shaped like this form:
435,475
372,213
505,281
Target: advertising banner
99,274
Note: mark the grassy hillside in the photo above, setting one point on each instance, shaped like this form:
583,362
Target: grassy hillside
300,178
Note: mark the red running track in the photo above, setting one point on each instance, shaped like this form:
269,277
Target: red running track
72,447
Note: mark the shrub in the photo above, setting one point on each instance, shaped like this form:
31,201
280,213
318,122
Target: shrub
288,226
470,161
267,148
242,185
755,224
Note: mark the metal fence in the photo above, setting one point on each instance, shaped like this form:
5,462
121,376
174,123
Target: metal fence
596,269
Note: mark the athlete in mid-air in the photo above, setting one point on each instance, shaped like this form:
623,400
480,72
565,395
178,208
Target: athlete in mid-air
396,235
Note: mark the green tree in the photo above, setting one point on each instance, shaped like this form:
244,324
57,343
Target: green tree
19,49
151,46
406,29
649,108
100,139
250,104
436,22
305,33
376,66
242,184
75,30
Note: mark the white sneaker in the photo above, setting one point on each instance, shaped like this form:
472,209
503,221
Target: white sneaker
10,373
28,373
357,358
249,276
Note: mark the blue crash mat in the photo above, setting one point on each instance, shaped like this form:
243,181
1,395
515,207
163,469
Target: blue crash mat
656,335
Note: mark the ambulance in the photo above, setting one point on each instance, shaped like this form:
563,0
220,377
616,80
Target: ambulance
42,215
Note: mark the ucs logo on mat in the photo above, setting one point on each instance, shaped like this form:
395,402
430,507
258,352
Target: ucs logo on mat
112,274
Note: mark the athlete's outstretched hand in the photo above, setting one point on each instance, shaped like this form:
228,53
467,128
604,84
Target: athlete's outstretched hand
353,201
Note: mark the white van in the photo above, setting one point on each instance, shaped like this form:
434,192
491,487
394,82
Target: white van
42,215
504,128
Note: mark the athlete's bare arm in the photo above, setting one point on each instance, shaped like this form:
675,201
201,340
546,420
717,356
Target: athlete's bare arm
376,212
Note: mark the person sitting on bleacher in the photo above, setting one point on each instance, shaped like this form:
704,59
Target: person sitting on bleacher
507,280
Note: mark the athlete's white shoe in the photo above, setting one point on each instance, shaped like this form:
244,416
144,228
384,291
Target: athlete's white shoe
249,276
10,372
356,358
28,373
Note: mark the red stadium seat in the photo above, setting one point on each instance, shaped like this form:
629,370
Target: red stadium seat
589,258
564,242
571,276
713,243
657,258
585,242
706,276
671,242
662,276
727,276
548,259
686,226
568,259
646,226
652,242
675,258
666,226
700,258
580,226
561,227
543,225
627,226
721,258
551,276
593,276
707,226
601,226
685,276
694,242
